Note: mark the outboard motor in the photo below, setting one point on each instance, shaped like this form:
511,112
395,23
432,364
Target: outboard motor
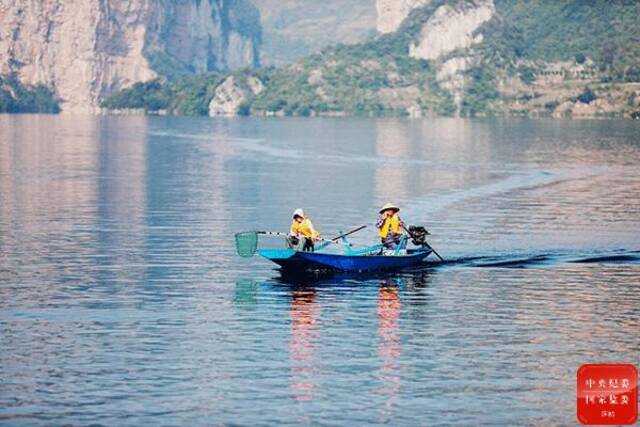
418,235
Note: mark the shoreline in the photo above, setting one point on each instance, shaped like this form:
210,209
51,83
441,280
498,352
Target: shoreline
342,115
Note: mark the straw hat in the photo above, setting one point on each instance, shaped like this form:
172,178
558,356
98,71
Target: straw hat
389,205
298,212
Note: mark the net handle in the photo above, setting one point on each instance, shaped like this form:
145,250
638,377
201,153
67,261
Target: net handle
272,233
275,233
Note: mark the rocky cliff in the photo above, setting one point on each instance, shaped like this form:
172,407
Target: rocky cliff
452,27
88,49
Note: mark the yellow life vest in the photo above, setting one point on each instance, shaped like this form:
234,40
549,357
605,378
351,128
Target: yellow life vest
305,228
392,223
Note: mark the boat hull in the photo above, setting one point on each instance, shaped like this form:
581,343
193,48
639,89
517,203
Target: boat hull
292,260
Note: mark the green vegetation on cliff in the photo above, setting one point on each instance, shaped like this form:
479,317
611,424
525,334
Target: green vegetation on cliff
18,98
558,30
187,96
347,79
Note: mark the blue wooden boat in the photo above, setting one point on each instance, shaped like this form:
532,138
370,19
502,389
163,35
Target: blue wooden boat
372,258
367,259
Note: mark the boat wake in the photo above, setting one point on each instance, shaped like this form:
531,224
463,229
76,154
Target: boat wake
533,260
519,181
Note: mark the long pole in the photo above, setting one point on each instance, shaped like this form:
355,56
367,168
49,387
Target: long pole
332,240
348,233
275,233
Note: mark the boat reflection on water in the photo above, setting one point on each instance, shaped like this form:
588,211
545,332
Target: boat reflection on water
389,343
304,312
396,294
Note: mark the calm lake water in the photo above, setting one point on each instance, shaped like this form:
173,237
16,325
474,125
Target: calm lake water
122,301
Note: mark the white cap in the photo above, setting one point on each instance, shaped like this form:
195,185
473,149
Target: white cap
298,212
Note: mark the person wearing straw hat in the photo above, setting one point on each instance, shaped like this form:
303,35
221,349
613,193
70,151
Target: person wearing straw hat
302,228
389,226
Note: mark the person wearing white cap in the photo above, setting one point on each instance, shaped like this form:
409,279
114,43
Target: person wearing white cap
390,226
302,227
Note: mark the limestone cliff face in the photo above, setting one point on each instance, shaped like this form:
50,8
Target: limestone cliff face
452,27
88,49
391,13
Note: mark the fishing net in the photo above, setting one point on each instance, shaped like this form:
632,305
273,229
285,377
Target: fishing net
246,243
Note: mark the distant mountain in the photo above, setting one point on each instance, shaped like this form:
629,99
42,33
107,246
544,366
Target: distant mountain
452,57
296,28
